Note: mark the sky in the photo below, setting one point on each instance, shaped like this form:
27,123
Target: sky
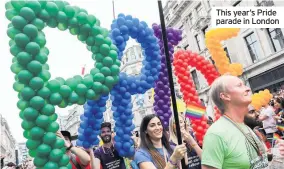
67,54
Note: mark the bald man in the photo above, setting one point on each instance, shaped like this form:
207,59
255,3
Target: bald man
229,143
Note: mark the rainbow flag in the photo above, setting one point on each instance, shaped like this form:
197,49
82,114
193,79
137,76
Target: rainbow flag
194,111
276,136
280,127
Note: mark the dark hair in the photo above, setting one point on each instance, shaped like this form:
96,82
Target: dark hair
146,142
11,164
66,134
280,101
106,124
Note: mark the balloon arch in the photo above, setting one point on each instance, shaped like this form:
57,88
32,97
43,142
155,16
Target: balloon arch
38,95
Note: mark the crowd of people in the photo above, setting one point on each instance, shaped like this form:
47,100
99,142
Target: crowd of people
242,138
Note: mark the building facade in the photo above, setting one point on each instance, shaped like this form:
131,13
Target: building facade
71,122
260,51
8,143
23,153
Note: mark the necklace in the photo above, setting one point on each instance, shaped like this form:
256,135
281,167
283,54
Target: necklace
252,141
110,151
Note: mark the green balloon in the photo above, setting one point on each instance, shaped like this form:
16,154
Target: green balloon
81,100
40,162
108,41
116,79
43,150
18,4
19,22
113,47
69,166
45,66
27,93
40,40
12,32
32,153
11,43
105,89
88,81
27,13
73,22
91,19
44,92
27,134
21,40
99,77
55,98
42,121
52,127
37,133
53,117
45,75
33,48
63,168
62,17
34,67
30,30
53,85
90,94
94,71
24,76
81,89
82,18
64,160
51,8
50,165
24,58
48,110
65,91
44,15
99,65
34,5
18,87
27,125
109,82
82,37
59,143
49,138
21,104
97,87
98,57
32,144
69,11
73,98
60,4
41,57
104,49
114,69
72,83
99,39
8,6
63,104
55,155
96,30
74,30
60,80
52,23
14,50
45,50
106,71
90,41
17,68
36,83
117,62
38,23
62,26
86,29
37,102
95,49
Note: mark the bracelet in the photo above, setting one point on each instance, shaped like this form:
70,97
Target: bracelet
193,145
69,147
172,163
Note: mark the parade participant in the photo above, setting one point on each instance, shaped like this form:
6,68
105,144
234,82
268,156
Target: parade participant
281,146
194,152
106,155
79,158
229,143
155,151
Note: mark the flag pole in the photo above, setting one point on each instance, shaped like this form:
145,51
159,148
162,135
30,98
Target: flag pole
171,81
113,11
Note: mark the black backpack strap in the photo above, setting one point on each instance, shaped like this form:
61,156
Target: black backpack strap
74,161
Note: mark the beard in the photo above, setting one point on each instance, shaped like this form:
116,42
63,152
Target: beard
252,122
106,139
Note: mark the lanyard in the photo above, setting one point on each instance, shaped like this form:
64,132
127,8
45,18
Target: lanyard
253,143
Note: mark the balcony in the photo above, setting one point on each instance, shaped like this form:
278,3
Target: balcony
176,12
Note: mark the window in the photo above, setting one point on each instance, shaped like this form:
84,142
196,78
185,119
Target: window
199,10
198,41
195,79
126,59
227,54
276,37
191,19
204,30
253,47
181,27
237,3
175,6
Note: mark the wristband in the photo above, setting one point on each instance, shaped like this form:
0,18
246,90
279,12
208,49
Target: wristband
68,148
172,163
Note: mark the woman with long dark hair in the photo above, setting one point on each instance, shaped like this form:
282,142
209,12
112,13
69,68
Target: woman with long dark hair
155,151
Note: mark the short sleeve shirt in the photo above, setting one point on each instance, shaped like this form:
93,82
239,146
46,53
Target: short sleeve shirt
109,160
